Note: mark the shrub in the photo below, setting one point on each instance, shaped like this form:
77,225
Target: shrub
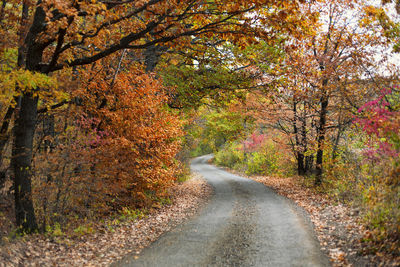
371,184
266,159
230,156
269,160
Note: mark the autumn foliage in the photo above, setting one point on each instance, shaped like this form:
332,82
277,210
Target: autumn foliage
95,97
110,157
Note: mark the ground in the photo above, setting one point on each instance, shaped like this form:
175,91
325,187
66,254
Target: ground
107,245
337,226
244,224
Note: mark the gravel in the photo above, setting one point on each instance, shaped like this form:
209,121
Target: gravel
244,224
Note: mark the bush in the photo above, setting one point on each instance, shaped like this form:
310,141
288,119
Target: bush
372,186
379,198
230,156
267,159
101,160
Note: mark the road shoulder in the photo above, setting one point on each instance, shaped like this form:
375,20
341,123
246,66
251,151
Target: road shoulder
336,226
108,245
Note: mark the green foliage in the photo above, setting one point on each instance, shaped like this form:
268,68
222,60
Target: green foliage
370,185
223,126
12,77
83,230
216,77
131,214
231,156
196,86
214,129
55,230
380,202
203,148
184,175
267,160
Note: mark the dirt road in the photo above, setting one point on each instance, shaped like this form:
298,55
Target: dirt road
244,224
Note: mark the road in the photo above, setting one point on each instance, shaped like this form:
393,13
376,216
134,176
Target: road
244,224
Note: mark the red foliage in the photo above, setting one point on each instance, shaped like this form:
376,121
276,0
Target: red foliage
380,118
254,142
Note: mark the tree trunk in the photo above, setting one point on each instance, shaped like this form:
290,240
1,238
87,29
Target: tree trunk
321,139
306,168
152,56
300,155
309,162
21,162
4,137
300,164
30,54
48,131
336,143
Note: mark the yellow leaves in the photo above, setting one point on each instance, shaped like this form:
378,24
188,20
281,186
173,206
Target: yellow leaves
371,15
25,81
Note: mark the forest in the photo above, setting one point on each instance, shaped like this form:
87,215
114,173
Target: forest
103,103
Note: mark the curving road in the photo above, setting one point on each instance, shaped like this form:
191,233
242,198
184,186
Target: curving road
244,224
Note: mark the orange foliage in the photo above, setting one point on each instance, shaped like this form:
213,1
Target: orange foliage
137,137
113,155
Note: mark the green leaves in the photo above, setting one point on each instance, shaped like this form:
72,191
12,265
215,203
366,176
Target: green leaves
214,85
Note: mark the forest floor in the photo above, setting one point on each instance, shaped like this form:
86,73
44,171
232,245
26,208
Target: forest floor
337,226
106,244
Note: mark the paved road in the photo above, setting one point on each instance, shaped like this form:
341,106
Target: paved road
244,224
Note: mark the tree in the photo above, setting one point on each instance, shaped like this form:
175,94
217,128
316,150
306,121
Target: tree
67,34
387,21
317,80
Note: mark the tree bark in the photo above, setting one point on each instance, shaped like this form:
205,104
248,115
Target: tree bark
304,144
4,137
29,56
152,56
21,162
300,155
336,143
48,131
321,138
309,162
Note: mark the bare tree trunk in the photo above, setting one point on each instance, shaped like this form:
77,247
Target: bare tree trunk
4,137
29,55
304,144
4,134
152,56
299,153
336,143
309,162
48,130
21,162
321,138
